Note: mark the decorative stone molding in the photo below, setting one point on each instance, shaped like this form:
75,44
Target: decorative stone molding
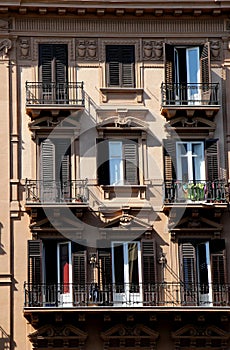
87,49
24,48
4,24
103,44
69,42
152,50
215,50
5,46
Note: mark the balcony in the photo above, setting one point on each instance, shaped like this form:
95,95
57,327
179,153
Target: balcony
52,193
166,294
189,98
54,97
210,192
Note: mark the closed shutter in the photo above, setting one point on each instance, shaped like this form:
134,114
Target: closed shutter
131,163
35,262
149,262
120,65
211,156
79,268
45,63
169,159
102,162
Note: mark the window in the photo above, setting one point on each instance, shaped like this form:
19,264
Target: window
191,160
120,63
53,71
187,72
202,268
117,162
54,168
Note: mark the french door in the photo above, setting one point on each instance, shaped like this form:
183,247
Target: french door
193,74
126,269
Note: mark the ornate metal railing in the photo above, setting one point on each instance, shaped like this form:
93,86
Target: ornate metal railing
38,191
38,93
195,191
179,94
165,294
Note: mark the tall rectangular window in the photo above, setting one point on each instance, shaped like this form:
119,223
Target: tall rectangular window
120,63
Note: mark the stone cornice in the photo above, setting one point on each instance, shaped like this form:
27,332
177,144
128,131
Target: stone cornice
118,8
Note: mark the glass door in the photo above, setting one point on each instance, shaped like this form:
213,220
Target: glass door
64,269
193,74
127,279
204,274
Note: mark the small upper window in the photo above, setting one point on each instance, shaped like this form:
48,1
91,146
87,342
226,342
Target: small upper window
120,65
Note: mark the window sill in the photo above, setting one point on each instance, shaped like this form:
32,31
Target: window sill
125,191
116,94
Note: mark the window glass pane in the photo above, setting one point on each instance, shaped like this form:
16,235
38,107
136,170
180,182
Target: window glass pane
115,163
197,160
133,267
203,268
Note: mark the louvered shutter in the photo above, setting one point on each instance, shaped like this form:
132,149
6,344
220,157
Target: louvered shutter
35,262
61,61
149,262
205,72
120,65
169,159
131,162
169,63
63,165
105,268
48,185
211,156
102,162
79,268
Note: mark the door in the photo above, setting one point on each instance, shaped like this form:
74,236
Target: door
204,274
64,273
193,74
127,279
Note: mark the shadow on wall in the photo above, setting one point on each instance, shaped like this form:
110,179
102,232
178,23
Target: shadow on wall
5,340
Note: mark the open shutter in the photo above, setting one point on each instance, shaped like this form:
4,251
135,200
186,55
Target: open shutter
48,184
211,156
169,63
35,262
63,165
205,73
79,268
131,163
102,162
169,159
105,268
149,272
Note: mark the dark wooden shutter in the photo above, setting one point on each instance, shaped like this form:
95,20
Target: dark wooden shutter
205,64
102,162
169,159
35,262
149,262
211,157
61,62
47,148
131,162
188,264
105,267
79,268
169,63
120,62
63,160
45,62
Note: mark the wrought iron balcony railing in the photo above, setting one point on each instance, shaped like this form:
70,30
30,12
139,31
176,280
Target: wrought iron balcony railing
38,93
38,191
177,191
165,294
181,94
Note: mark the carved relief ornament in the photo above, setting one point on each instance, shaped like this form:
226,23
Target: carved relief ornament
5,46
87,49
152,50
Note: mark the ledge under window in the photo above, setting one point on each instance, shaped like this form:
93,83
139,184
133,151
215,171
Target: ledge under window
128,95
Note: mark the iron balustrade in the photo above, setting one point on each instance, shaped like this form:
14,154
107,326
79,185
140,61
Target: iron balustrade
39,191
38,93
166,294
179,94
195,191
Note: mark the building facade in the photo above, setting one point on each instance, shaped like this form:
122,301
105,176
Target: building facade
114,181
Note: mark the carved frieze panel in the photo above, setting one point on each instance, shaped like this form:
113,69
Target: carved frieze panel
152,50
24,48
87,49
